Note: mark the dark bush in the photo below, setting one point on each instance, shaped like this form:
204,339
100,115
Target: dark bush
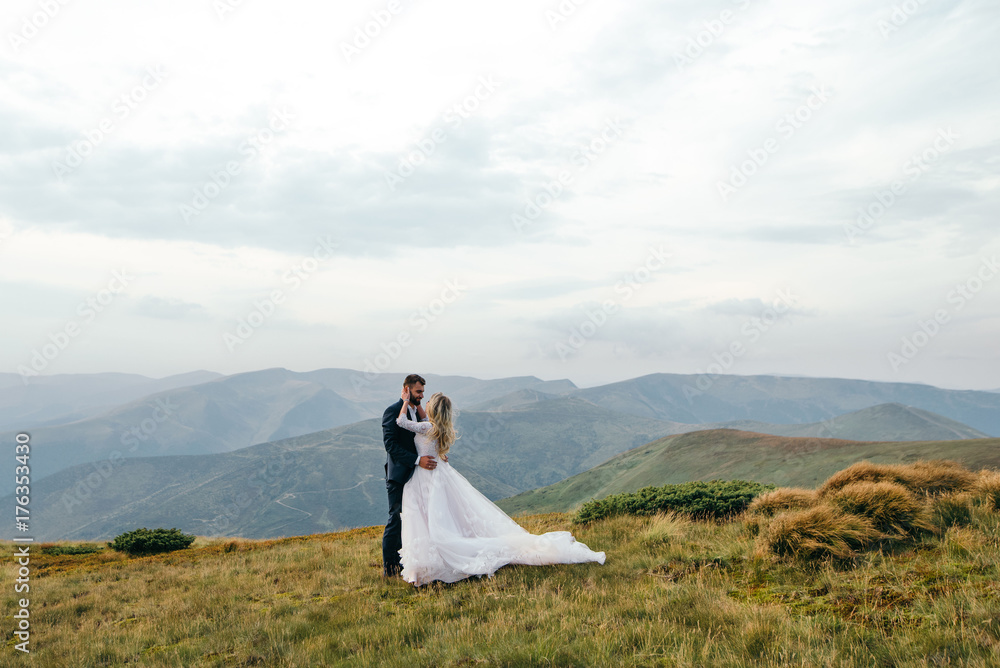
706,500
86,548
151,541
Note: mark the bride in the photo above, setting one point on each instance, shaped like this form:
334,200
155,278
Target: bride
450,530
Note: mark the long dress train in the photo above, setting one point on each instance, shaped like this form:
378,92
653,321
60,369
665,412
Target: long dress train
452,531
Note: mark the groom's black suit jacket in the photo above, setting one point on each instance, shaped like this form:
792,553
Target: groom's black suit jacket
400,451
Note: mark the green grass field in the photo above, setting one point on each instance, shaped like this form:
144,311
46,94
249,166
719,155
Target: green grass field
672,593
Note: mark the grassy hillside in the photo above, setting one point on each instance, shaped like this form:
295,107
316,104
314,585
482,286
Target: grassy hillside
327,480
729,454
672,593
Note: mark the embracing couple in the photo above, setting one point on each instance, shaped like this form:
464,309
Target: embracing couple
441,527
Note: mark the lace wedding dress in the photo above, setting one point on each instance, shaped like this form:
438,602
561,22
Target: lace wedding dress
451,530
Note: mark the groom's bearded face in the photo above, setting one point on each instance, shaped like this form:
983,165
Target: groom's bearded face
416,393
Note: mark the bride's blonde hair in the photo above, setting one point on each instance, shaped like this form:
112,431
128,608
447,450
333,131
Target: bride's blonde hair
442,428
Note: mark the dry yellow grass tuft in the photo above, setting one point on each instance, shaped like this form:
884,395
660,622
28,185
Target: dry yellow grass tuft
988,487
782,499
941,477
868,504
952,510
892,508
665,528
817,533
923,477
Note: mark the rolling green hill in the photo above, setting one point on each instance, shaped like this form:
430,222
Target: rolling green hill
731,455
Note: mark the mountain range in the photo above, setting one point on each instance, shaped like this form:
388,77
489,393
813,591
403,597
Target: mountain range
224,414
325,480
277,452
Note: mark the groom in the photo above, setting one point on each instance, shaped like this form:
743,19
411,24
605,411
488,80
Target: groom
401,458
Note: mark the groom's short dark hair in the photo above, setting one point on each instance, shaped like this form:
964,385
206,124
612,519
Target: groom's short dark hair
413,379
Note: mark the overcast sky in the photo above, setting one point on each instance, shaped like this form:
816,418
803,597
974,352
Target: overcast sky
593,190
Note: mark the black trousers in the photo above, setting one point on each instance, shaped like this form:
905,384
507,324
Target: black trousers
392,538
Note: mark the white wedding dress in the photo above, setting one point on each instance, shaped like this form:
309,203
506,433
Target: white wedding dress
451,531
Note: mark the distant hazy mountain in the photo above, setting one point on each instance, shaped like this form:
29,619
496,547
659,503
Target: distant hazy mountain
885,422
326,480
782,400
49,400
729,455
236,411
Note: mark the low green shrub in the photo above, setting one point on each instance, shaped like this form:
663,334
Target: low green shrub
706,500
151,541
85,548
